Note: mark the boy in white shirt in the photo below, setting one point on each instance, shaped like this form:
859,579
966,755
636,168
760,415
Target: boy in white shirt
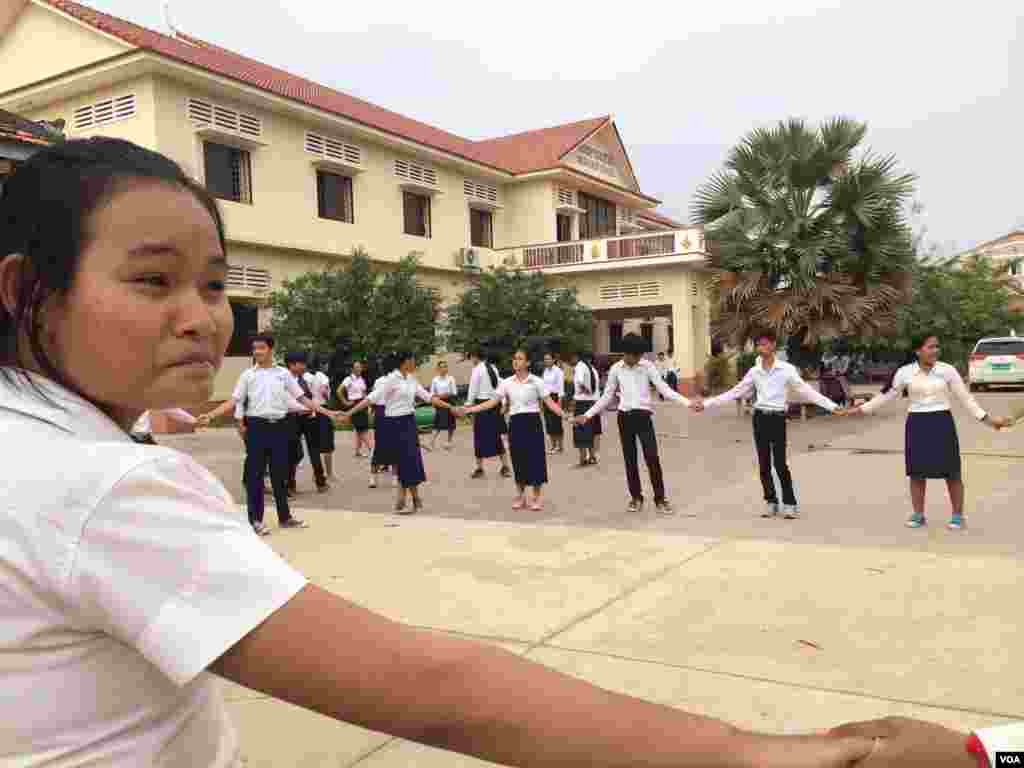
770,377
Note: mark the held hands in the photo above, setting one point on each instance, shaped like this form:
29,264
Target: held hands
907,743
580,420
203,421
697,405
999,422
343,416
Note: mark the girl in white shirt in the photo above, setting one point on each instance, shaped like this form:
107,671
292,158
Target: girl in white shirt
129,585
554,380
489,425
526,393
932,449
443,386
586,388
351,392
398,392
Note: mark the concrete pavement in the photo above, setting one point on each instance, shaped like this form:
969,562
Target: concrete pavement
771,624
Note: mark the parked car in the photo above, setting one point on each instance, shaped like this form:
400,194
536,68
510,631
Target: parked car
998,360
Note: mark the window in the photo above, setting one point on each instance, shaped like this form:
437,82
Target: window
599,220
1000,348
481,228
228,172
671,341
563,227
615,337
416,214
334,197
1017,268
103,112
246,326
647,331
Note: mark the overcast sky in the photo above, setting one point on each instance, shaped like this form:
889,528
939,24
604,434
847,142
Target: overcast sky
940,87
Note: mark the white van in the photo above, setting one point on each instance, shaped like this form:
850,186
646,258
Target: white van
999,360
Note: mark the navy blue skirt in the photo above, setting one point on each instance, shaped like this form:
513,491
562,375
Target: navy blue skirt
406,445
488,427
444,419
932,446
583,436
383,455
326,425
526,444
361,421
552,421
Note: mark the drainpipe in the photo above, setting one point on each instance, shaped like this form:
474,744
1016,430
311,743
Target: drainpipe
9,12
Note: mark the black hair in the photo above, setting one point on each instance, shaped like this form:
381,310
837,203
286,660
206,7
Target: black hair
402,355
764,333
295,357
265,338
918,340
634,344
45,213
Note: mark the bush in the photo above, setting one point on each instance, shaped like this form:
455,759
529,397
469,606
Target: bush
718,372
744,362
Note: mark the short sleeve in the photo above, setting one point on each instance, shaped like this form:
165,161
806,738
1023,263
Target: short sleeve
239,394
502,390
168,565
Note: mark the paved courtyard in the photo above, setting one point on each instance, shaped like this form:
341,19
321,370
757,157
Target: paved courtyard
775,625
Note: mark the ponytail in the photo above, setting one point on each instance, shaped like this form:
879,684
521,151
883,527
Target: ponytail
492,371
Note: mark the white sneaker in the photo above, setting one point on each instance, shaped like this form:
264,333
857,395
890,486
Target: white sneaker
790,512
771,509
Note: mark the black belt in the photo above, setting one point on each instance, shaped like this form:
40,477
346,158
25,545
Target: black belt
266,420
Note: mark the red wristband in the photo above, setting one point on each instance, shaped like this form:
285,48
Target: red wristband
976,748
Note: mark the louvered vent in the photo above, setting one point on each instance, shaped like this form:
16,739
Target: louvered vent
206,114
248,278
565,196
333,149
409,170
475,190
619,291
103,112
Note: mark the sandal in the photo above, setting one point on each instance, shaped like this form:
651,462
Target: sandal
536,505
518,503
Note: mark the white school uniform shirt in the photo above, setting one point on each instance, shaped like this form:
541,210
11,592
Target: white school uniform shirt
771,385
1001,738
354,387
120,583
554,379
443,386
582,391
144,424
633,388
523,396
480,387
268,391
320,385
397,393
928,392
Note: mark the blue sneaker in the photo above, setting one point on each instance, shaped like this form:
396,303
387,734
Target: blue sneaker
956,523
916,521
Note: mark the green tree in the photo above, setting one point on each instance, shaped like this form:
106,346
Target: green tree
961,303
807,235
352,305
514,306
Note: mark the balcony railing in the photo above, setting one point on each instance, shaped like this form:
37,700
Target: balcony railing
581,253
553,255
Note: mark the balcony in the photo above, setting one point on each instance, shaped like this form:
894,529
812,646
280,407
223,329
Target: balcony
680,245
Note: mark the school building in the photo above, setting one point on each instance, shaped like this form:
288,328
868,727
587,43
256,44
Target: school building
306,174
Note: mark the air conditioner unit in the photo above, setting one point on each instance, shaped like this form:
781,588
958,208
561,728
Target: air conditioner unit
469,259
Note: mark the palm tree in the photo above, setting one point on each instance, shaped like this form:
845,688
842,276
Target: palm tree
807,234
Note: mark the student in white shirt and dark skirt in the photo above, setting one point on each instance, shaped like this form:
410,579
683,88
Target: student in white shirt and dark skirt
554,380
351,392
398,392
526,394
444,387
488,425
932,447
320,384
304,427
586,385
631,380
770,377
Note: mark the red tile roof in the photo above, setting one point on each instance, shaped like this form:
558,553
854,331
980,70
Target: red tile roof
659,219
521,153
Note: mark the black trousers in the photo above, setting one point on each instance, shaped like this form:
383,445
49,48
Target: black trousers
634,426
308,428
266,442
770,439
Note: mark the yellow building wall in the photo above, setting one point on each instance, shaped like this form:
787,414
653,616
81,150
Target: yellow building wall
284,209
140,129
529,214
43,43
